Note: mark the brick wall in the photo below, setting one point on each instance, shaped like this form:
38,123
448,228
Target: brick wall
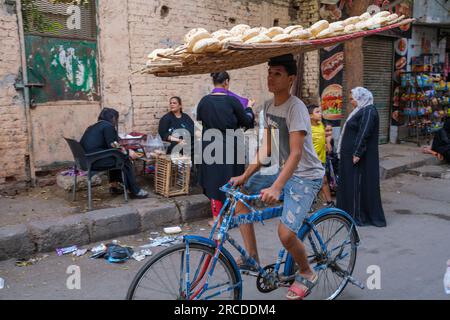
13,137
149,29
309,14
128,31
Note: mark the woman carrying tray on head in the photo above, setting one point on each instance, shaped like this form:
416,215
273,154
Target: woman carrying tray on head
221,111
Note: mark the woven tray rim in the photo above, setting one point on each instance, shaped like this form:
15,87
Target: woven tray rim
239,55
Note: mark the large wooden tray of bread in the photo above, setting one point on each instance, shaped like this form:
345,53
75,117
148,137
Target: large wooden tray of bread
243,46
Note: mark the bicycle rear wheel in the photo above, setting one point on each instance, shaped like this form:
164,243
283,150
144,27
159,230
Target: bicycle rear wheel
164,276
337,261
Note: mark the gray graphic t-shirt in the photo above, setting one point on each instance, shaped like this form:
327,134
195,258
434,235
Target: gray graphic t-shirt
289,117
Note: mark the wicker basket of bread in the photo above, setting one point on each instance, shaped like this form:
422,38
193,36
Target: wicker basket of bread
243,46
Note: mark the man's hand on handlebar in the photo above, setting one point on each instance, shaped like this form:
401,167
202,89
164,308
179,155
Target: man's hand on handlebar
270,195
238,181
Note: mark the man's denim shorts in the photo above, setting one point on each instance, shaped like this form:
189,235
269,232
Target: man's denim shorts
299,195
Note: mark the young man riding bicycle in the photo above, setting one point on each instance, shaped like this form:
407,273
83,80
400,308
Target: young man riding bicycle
300,171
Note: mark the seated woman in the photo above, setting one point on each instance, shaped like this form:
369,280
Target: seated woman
102,136
441,142
173,120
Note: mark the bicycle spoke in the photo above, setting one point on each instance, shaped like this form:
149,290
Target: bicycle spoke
336,234
161,282
162,278
160,291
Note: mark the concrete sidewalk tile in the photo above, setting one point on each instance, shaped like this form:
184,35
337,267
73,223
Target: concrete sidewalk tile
159,215
193,207
110,223
432,171
52,234
397,159
15,242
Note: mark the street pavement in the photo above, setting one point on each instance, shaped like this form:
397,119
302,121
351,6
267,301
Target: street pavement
410,254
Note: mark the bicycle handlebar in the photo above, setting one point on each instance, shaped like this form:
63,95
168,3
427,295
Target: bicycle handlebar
228,188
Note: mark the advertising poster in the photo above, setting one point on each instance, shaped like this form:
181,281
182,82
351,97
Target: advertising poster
332,67
400,64
331,76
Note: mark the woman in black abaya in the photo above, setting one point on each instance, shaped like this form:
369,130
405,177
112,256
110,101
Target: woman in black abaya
359,185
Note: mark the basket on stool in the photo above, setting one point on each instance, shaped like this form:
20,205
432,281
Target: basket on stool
172,175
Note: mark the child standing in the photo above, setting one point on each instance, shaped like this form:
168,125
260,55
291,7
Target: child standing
322,145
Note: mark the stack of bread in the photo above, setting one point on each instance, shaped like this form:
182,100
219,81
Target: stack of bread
200,41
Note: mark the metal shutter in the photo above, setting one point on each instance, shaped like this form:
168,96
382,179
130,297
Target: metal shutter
378,68
58,13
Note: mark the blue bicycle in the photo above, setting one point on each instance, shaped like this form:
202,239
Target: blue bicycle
202,268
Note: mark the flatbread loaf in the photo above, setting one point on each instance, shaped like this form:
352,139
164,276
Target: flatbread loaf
301,34
365,16
337,26
154,55
381,14
391,18
289,29
207,45
194,37
325,33
239,29
282,37
318,27
351,20
231,39
250,33
188,37
361,25
274,31
221,34
350,28
262,38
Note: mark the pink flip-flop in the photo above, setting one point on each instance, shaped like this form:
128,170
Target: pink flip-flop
299,292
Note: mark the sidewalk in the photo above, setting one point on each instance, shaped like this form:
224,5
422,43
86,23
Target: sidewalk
44,219
399,158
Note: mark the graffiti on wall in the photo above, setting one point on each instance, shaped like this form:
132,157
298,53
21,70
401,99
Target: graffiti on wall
66,68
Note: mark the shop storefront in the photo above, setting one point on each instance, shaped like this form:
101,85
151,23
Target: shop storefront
422,93
381,63
378,72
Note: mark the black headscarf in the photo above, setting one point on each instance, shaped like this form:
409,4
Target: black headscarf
111,115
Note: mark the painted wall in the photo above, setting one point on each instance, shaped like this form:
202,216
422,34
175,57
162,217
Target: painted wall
51,122
432,11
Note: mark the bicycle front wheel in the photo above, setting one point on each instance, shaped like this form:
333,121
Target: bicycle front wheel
165,276
334,264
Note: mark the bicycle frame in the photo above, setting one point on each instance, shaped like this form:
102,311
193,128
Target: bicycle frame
229,221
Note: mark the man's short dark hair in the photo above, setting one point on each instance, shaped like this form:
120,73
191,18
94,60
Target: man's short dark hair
287,61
